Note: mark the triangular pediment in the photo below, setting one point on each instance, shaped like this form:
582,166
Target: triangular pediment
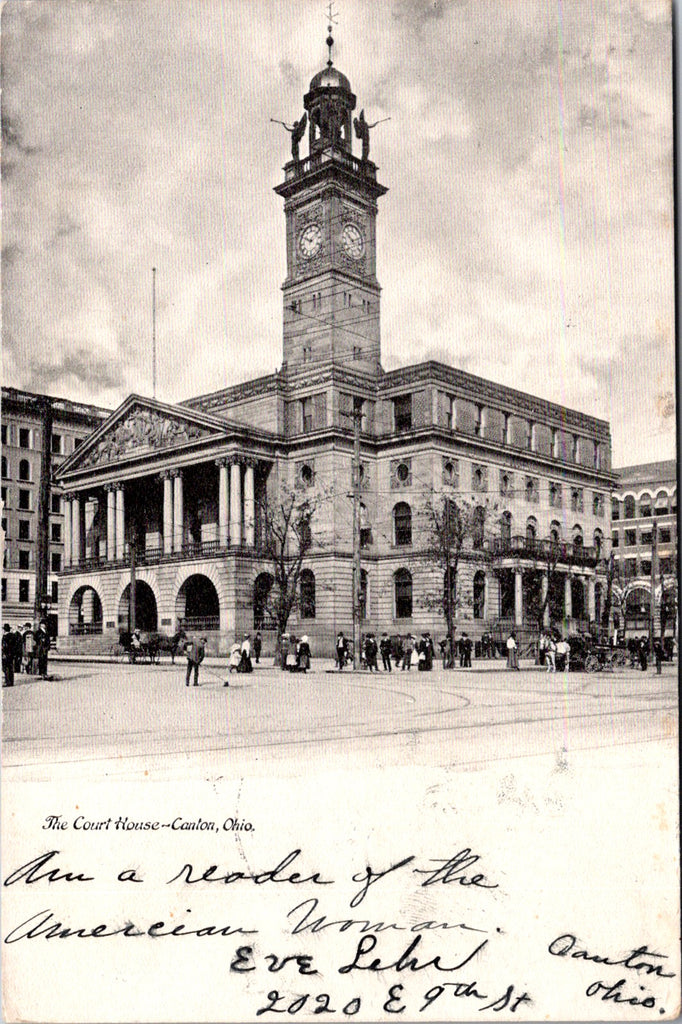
141,427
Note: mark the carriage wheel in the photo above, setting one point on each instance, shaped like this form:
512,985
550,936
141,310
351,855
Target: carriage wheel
620,659
592,663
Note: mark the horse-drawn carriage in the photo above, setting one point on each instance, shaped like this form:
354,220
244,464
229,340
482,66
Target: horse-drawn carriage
147,648
590,655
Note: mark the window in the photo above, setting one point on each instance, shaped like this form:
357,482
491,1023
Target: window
666,566
5,468
56,504
530,435
645,506
664,535
56,533
24,559
402,524
24,437
4,433
645,537
402,412
575,447
598,504
25,500
630,538
479,422
598,543
54,592
646,567
555,495
450,473
4,589
577,499
614,540
479,478
629,507
307,588
403,472
554,532
56,562
506,483
306,415
662,504
505,528
402,584
4,528
479,595
24,529
23,591
57,446
306,353
615,508
24,470
532,488
478,530
4,496
577,538
630,568
450,412
357,352
307,474
531,531
77,442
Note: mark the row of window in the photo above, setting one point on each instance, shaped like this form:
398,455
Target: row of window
25,591
630,539
25,469
23,559
663,505
634,567
25,502
24,437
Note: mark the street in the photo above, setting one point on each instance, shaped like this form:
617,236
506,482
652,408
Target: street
120,720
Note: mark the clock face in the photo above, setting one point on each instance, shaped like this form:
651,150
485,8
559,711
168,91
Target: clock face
309,241
353,242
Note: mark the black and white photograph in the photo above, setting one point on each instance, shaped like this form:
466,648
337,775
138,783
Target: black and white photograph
339,511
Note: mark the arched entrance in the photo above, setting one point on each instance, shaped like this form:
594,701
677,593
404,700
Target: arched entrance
85,612
479,595
197,605
577,597
146,616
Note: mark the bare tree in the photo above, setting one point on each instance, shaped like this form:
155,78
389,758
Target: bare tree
451,527
541,596
285,540
615,591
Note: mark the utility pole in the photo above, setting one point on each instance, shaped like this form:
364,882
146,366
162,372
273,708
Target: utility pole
652,602
357,566
132,617
153,332
43,537
448,583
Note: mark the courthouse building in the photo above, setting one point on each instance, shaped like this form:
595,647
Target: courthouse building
644,538
181,487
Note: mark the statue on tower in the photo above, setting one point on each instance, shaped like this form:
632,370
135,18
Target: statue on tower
296,131
362,132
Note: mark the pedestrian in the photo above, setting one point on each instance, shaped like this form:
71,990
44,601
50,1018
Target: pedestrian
7,655
245,664
407,654
385,649
632,650
468,649
29,649
195,651
340,651
550,653
257,647
41,647
658,655
563,654
643,651
283,650
303,654
234,660
372,653
542,648
414,652
512,653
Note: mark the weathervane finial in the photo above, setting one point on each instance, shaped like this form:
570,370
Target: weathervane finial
331,19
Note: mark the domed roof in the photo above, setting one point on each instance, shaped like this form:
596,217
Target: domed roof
330,78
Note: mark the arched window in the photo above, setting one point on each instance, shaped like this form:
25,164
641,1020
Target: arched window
307,590
577,537
402,584
262,613
505,527
645,506
662,503
479,595
402,524
555,532
615,508
24,470
531,530
598,543
478,527
629,507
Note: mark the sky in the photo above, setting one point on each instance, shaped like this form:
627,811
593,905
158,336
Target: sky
527,235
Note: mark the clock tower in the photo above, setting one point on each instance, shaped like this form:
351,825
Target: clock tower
331,293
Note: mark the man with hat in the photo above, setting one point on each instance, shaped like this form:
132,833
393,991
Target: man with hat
195,651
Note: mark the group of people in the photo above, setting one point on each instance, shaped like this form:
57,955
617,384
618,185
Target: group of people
554,652
295,653
403,652
639,650
24,649
463,649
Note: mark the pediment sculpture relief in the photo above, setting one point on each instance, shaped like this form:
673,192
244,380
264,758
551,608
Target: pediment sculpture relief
142,430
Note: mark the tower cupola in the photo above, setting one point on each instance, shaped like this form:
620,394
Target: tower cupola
329,103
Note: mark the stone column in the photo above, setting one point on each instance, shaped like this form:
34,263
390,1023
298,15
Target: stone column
167,513
120,523
223,503
111,523
235,504
484,422
544,589
249,505
67,531
518,597
90,510
76,550
178,512
568,602
591,601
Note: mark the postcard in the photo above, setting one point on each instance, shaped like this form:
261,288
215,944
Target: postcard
339,486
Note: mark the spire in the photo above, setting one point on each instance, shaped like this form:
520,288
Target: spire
331,18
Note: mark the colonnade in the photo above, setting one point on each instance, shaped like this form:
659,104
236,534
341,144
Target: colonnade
236,514
568,596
